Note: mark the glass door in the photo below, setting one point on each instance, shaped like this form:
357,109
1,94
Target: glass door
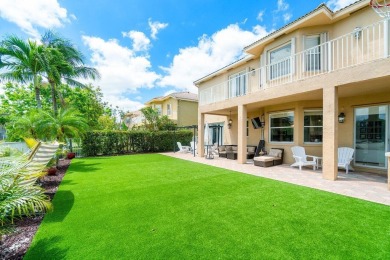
371,136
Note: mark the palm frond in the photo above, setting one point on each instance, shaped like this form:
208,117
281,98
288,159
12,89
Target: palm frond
18,200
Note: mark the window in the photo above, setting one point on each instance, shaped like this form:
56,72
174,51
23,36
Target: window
312,53
280,61
282,127
238,84
169,111
312,127
158,108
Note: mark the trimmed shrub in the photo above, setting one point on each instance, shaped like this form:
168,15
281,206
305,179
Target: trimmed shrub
121,142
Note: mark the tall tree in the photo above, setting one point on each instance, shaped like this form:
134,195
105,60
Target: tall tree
23,62
66,62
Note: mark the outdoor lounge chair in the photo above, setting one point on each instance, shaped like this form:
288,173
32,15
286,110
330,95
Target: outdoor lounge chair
300,157
23,158
44,153
345,157
274,157
193,146
183,148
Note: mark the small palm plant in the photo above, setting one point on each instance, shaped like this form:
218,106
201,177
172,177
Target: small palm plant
69,123
18,198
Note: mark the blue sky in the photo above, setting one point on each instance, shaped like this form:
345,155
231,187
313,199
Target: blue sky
150,48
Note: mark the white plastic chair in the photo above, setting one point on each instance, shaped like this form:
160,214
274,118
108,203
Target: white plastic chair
193,146
345,157
183,148
300,157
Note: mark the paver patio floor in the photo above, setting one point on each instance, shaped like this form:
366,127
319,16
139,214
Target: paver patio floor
366,186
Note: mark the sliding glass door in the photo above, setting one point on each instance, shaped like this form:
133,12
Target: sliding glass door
371,136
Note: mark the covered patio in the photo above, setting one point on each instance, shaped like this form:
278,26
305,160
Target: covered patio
361,185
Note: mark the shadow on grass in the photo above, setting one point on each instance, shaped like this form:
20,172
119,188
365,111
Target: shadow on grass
63,203
46,249
81,166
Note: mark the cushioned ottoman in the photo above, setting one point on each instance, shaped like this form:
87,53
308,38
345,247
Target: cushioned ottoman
264,161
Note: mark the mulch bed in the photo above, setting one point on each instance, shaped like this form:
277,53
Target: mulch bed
15,245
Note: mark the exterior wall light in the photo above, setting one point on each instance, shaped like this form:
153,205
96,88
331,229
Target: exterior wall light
341,117
230,122
253,72
357,32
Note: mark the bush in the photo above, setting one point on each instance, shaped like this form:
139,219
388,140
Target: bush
140,141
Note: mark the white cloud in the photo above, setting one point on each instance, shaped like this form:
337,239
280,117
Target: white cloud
282,6
123,103
287,17
122,70
29,15
140,41
260,16
155,27
338,4
211,53
281,13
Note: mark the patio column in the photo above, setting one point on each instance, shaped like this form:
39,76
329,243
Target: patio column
200,147
330,133
241,134
388,169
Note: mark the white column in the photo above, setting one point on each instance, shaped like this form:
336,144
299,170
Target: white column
330,133
200,135
241,136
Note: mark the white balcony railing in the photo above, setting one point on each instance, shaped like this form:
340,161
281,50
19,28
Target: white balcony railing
361,46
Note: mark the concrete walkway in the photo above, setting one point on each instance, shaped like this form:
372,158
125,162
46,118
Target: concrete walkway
366,186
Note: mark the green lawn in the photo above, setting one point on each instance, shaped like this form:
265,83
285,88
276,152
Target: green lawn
157,207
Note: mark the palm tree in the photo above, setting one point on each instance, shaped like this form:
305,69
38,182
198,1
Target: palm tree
23,62
66,62
26,125
68,123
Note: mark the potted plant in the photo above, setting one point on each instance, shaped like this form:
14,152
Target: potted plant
52,171
71,155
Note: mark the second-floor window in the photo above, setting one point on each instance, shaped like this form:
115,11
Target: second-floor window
158,108
238,84
169,109
280,61
312,52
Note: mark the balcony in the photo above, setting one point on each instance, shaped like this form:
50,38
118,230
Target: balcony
361,46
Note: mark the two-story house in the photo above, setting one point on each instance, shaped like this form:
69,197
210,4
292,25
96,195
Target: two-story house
180,107
321,82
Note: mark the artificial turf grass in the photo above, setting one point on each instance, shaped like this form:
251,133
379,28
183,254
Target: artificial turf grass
154,206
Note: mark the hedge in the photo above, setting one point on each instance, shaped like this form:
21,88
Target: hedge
122,142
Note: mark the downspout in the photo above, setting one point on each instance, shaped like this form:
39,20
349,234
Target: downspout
178,112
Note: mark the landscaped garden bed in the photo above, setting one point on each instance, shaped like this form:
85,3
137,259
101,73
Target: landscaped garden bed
15,244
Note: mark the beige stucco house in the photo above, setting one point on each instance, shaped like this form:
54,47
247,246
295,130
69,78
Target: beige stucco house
180,107
321,82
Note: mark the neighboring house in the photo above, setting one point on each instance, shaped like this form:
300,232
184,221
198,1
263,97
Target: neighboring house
301,80
180,107
134,119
